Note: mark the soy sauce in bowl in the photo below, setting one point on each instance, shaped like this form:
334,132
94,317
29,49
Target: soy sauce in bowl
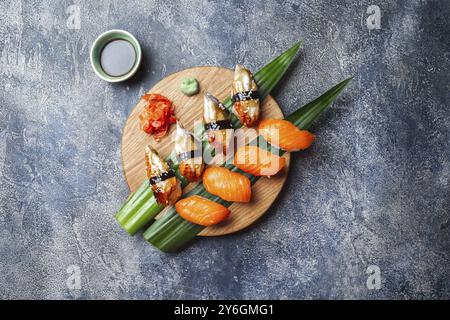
117,58
115,55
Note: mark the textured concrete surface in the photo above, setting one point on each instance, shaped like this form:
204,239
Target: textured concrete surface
373,190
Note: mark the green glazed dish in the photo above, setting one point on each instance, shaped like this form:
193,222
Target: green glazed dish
101,42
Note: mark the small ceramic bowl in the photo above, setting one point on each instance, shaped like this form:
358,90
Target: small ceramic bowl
100,43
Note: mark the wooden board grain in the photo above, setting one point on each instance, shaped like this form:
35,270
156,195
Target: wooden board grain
217,81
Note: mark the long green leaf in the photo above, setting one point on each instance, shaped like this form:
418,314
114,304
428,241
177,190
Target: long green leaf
305,116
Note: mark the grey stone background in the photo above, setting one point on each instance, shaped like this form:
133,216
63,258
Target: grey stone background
373,190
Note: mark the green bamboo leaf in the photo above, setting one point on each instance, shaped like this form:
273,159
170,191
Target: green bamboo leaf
305,116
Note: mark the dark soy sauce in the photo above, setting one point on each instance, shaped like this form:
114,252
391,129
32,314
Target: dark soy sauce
117,58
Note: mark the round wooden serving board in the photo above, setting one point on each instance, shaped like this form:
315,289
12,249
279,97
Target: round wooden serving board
217,81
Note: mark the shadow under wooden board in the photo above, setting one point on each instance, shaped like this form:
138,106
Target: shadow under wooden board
217,81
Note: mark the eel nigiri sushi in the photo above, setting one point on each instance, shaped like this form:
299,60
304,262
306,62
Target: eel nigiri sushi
189,154
165,185
202,211
285,135
217,123
245,97
228,185
257,161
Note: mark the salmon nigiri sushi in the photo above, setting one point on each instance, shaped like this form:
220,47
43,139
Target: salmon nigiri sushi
202,211
285,135
228,185
257,161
